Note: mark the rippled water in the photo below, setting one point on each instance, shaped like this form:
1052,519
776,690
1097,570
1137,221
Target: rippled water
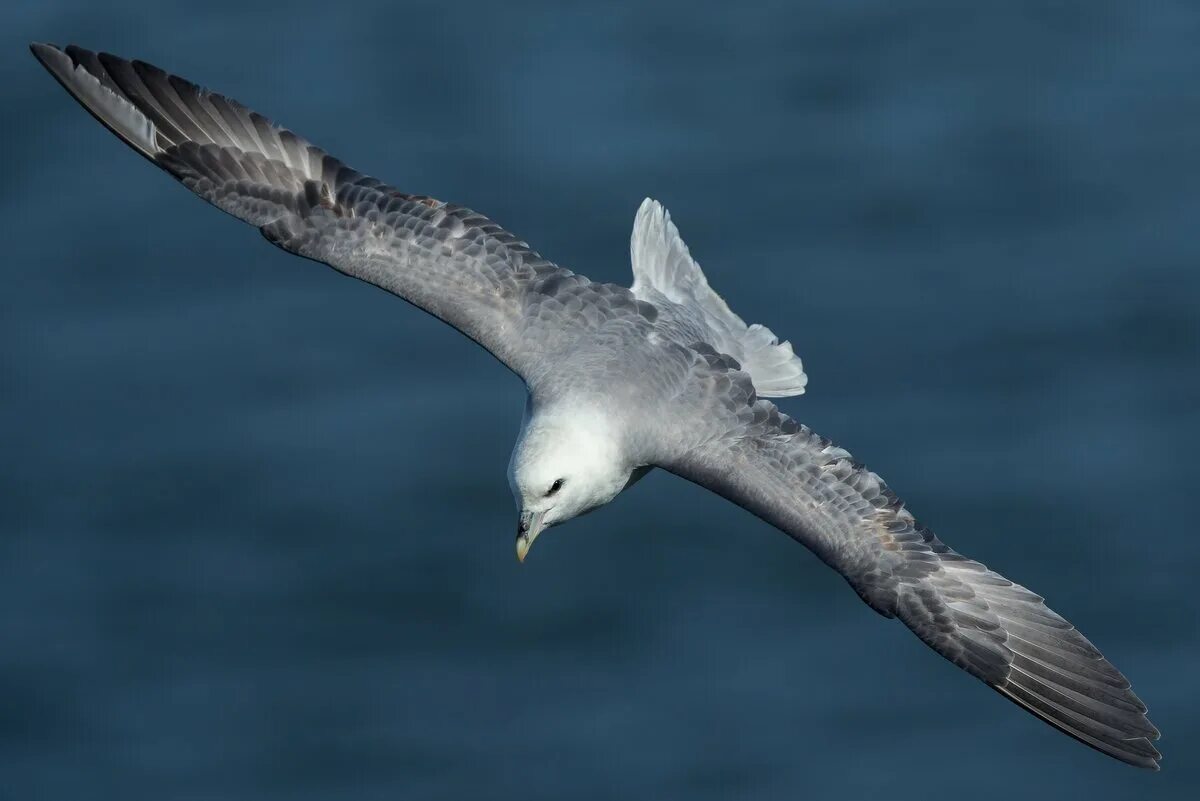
256,539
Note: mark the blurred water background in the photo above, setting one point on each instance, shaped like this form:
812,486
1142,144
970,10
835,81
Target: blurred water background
255,532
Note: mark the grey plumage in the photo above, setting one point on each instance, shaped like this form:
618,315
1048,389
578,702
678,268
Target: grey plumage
669,349
994,629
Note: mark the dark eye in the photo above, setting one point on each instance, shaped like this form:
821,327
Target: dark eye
555,487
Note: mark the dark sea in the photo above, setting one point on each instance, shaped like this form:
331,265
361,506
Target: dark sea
256,538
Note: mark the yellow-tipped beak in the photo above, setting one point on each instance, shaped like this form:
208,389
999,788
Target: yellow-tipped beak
529,525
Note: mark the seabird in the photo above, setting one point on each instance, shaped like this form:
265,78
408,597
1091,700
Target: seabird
620,381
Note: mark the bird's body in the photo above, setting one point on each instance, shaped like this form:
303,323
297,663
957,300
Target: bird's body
621,380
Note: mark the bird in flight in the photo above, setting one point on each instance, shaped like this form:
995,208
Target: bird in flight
620,381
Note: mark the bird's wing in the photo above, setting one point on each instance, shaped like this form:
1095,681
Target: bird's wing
446,259
747,451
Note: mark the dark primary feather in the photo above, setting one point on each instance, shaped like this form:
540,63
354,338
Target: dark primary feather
468,271
446,259
749,452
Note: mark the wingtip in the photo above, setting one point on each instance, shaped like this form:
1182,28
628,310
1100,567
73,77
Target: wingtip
78,71
44,50
54,59
1151,763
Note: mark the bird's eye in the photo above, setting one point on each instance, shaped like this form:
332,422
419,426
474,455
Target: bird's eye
555,487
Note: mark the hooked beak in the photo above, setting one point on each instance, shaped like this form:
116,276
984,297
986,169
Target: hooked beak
529,525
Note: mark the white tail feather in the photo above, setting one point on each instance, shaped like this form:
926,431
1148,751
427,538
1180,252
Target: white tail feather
662,264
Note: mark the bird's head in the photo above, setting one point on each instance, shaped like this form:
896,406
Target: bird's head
563,465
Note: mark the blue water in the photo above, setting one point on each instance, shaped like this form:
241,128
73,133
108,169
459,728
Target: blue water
256,537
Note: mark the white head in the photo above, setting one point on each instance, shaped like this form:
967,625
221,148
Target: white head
563,465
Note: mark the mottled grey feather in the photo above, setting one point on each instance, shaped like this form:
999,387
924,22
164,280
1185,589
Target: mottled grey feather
444,258
683,405
748,451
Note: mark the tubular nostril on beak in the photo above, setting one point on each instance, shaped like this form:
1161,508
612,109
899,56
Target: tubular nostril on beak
529,525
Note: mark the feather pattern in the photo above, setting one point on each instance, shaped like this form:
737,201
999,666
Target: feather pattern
749,452
670,349
444,258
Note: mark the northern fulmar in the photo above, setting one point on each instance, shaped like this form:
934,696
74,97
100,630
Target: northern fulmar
620,380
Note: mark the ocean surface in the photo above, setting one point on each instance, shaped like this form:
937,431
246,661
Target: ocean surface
256,539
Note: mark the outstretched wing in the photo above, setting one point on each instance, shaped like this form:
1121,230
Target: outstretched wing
446,259
747,451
